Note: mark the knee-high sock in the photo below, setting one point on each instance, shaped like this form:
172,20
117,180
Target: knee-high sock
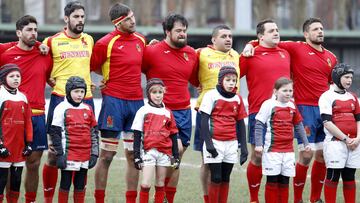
214,190
13,196
144,194
224,192
131,196
50,175
99,196
318,173
283,193
299,181
63,196
206,198
30,197
254,175
79,196
271,192
349,191
330,191
170,193
159,194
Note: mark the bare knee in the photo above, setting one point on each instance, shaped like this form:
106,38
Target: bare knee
51,159
305,157
106,157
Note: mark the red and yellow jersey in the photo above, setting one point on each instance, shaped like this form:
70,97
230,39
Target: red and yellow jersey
35,70
224,113
157,124
15,124
280,119
71,57
261,71
119,56
343,109
210,62
76,124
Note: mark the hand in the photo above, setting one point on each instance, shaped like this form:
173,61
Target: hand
61,162
176,163
93,87
354,144
44,50
258,151
212,151
102,84
92,161
199,89
153,42
4,152
27,150
138,162
248,50
307,148
243,157
51,82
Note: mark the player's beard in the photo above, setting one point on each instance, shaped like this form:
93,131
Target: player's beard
75,29
180,44
30,43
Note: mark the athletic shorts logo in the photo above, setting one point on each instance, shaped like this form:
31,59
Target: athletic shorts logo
307,131
109,122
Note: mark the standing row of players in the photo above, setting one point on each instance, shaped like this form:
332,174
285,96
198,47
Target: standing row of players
72,53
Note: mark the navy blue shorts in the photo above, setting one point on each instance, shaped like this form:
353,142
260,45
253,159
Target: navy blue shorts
251,129
39,133
117,115
54,101
313,124
184,125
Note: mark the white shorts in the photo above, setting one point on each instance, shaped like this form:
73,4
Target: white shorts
153,157
227,152
128,140
15,164
338,155
314,146
76,165
276,163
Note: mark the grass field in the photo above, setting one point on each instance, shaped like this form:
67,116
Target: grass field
189,189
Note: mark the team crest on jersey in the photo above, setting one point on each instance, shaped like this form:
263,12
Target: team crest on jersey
329,62
22,109
84,43
138,47
186,57
109,122
235,109
352,107
86,116
281,54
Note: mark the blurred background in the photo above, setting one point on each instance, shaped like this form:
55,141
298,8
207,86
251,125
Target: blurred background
341,20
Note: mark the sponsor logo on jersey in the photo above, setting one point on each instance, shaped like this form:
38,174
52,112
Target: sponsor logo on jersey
220,64
17,57
186,57
167,51
311,53
74,54
62,43
120,47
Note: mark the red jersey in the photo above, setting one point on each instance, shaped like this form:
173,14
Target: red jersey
35,70
119,56
76,124
261,71
311,71
280,119
343,108
224,113
175,67
157,124
15,125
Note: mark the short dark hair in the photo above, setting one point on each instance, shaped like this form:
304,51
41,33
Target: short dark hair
281,82
170,20
24,21
215,31
118,10
72,6
260,27
310,21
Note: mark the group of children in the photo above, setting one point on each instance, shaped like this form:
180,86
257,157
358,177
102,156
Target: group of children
74,136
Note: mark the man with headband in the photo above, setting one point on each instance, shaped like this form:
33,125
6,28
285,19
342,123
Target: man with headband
118,57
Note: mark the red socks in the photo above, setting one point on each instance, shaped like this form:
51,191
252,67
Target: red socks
271,193
299,181
283,196
159,194
318,173
224,191
254,175
170,193
349,191
12,197
99,196
131,196
50,174
63,196
30,197
214,190
330,191
144,194
206,198
79,196
1,198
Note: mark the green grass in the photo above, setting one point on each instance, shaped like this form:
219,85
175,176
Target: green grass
189,188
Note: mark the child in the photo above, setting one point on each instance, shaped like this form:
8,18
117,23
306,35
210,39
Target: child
75,139
340,113
280,117
16,131
155,126
226,133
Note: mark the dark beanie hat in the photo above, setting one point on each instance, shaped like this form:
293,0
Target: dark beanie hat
5,70
224,71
